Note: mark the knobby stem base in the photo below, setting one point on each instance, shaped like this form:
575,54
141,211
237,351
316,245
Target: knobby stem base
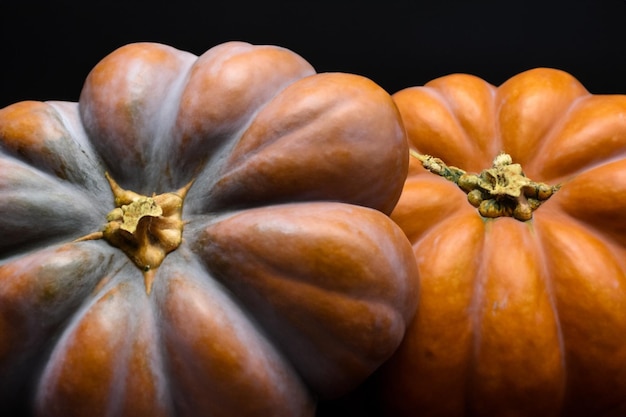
145,228
500,191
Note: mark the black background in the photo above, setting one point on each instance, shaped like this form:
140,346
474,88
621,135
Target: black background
47,48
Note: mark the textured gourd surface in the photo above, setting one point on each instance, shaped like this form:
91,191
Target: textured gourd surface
289,281
522,318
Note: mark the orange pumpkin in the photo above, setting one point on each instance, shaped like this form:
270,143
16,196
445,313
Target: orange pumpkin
522,305
200,236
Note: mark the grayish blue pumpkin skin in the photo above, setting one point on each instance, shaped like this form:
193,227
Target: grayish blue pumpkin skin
290,284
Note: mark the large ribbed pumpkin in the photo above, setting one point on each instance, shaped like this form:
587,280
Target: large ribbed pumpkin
200,236
516,208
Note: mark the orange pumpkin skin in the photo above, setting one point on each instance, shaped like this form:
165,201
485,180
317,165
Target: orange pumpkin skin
515,318
291,282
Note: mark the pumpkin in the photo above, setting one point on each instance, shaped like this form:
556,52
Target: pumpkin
515,205
200,235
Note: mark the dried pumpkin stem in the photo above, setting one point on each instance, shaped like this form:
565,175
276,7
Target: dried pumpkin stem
500,191
145,228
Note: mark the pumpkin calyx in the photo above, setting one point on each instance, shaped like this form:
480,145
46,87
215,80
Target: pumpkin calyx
500,191
145,228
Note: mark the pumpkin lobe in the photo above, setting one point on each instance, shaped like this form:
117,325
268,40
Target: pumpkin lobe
145,228
500,191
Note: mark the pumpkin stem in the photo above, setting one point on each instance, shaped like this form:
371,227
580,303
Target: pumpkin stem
145,228
500,191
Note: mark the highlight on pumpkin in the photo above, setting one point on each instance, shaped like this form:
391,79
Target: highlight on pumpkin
500,191
145,228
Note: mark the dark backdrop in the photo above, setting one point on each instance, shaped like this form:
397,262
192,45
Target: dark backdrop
47,48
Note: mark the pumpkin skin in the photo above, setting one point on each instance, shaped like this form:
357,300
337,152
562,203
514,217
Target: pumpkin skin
291,282
523,318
